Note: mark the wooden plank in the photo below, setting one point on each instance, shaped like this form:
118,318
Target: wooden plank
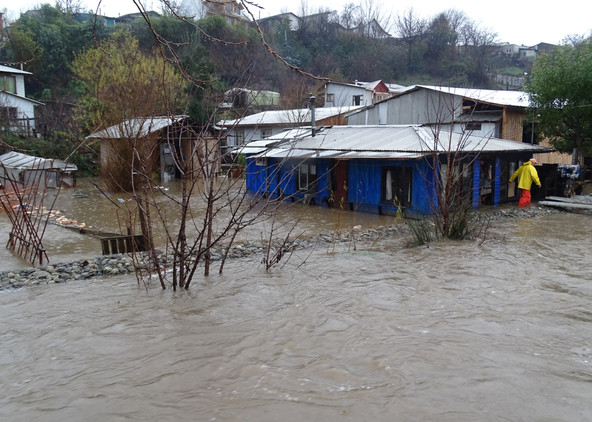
567,205
105,246
559,199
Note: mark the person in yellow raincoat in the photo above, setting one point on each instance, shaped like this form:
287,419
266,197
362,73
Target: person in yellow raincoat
526,174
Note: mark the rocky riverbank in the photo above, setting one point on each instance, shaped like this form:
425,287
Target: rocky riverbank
123,264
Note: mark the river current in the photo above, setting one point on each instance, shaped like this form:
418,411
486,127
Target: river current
457,331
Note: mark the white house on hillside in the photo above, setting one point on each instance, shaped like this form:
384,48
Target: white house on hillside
292,21
339,94
17,112
230,10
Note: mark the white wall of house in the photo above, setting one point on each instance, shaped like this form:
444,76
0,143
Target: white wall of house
484,129
294,21
25,107
250,133
339,95
20,85
16,107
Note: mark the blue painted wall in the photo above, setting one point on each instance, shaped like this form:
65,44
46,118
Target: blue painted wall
497,180
476,183
364,183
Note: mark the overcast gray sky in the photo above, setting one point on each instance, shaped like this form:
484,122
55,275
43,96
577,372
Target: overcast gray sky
519,22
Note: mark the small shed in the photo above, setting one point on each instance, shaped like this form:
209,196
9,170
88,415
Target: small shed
164,144
380,169
27,170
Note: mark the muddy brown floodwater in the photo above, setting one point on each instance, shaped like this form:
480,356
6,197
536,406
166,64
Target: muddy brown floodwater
451,332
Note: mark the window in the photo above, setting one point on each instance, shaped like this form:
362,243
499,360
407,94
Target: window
8,114
471,127
357,100
8,83
265,133
330,98
397,185
239,137
307,177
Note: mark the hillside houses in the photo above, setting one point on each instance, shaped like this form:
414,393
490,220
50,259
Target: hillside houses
230,10
292,22
515,51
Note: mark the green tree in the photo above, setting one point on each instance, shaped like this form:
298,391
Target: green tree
441,41
46,42
120,82
560,89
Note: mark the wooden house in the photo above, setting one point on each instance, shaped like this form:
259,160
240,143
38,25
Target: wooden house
163,144
383,168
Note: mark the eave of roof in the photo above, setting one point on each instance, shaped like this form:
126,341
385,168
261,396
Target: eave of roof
20,161
400,141
286,118
20,97
136,128
488,96
7,69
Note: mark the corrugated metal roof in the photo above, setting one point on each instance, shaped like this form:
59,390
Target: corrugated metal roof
136,128
19,161
506,98
401,141
299,116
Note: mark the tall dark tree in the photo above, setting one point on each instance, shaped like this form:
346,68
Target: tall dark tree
441,40
477,46
411,30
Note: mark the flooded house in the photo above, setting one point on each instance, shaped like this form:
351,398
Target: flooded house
164,143
28,171
382,169
258,126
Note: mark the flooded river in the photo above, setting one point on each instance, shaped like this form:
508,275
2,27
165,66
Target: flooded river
451,332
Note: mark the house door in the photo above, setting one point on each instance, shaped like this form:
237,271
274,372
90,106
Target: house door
167,163
339,182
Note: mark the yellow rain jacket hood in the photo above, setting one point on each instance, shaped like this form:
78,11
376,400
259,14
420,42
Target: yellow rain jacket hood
526,175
